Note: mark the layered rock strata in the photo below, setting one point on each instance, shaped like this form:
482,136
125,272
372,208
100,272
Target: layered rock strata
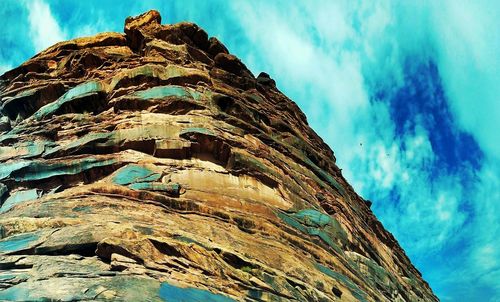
153,166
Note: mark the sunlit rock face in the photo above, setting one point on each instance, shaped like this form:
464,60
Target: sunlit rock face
153,166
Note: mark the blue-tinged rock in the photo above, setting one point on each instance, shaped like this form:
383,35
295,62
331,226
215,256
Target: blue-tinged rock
326,177
11,106
33,149
18,243
354,289
72,285
171,293
288,219
9,136
12,274
86,141
312,217
171,189
37,170
78,92
315,223
26,102
160,92
4,123
3,190
196,130
23,150
19,197
134,173
6,169
255,294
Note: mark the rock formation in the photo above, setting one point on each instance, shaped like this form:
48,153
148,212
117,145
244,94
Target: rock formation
153,166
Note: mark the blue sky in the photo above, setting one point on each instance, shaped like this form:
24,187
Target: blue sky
405,92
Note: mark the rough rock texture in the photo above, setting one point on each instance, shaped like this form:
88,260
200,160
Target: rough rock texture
153,166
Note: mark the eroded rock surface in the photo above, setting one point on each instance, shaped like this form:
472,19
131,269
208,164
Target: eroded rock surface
153,166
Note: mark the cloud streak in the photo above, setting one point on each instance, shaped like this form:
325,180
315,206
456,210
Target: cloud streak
44,28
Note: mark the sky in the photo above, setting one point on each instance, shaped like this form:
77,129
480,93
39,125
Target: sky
405,92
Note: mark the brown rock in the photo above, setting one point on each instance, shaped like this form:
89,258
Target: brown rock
229,63
264,79
138,29
215,47
143,20
153,165
200,39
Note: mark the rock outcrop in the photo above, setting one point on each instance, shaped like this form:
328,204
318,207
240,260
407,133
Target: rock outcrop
154,166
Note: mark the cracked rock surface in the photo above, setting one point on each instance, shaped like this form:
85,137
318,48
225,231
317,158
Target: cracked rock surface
154,166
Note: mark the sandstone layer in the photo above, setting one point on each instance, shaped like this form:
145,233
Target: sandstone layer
154,166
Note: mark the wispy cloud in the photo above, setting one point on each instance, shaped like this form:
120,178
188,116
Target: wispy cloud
44,28
14,36
396,89
467,51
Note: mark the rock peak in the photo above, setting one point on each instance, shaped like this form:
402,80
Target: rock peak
154,165
145,19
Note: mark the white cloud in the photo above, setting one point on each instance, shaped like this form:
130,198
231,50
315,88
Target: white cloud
333,57
467,46
44,28
5,67
487,227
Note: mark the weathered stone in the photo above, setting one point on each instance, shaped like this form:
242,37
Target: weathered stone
84,97
154,166
19,197
215,47
3,190
4,123
142,20
229,63
23,150
157,75
265,79
134,173
27,102
136,28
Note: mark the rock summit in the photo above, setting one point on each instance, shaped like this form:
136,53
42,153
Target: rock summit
154,166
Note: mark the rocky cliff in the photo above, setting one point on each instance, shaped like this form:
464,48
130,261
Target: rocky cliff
153,166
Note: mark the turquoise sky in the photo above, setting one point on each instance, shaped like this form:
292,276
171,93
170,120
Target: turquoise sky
405,92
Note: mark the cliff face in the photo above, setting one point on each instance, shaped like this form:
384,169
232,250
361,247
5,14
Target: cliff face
153,166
